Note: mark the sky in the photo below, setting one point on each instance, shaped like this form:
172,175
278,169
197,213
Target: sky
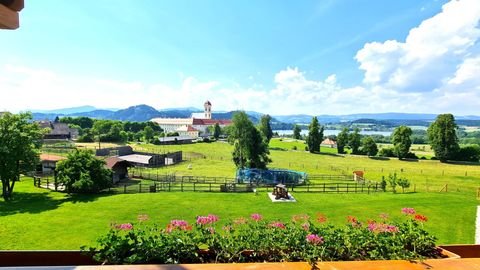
276,57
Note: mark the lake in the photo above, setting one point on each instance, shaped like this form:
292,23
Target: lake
329,132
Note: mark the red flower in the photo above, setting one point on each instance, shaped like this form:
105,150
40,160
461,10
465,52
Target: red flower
420,218
321,218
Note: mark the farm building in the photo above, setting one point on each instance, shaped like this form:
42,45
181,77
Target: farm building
329,143
141,159
119,168
48,163
58,131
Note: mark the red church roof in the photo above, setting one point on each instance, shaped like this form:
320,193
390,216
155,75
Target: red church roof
211,122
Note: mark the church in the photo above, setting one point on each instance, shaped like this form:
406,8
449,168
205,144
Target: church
194,126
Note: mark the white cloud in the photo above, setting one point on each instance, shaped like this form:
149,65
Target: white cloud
436,69
430,52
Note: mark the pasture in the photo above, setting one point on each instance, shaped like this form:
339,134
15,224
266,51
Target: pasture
43,219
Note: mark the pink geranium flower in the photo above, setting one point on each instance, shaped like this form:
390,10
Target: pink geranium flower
256,217
314,239
408,211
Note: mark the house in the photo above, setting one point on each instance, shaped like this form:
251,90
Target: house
58,131
48,163
329,143
187,130
119,168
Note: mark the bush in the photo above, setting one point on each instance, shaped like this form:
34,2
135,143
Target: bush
294,147
81,172
468,153
258,240
386,152
411,155
306,147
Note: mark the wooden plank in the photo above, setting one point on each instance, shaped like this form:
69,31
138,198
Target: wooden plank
16,5
8,18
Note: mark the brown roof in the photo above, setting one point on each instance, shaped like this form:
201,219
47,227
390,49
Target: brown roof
113,161
211,122
48,157
329,141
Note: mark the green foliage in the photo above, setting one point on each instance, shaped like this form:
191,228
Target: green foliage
443,137
354,141
297,132
217,131
20,140
469,153
315,136
265,128
392,182
81,172
342,140
401,139
386,152
369,147
257,240
403,183
172,134
250,149
149,133
82,122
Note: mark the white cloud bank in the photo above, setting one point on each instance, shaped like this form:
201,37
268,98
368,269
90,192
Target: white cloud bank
436,69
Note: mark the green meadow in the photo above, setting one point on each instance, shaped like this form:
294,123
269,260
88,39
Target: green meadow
43,219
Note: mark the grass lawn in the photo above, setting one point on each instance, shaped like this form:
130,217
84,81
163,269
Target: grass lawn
42,219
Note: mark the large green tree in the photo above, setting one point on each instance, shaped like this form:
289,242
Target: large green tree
354,141
315,135
82,172
217,131
369,147
250,148
20,140
401,139
297,132
342,140
443,137
265,127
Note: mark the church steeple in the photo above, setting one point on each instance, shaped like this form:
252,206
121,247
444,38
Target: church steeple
208,109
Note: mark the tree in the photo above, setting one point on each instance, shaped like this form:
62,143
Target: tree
217,131
401,139
443,138
342,140
149,133
354,141
315,135
81,172
265,127
250,149
296,132
403,183
369,146
20,140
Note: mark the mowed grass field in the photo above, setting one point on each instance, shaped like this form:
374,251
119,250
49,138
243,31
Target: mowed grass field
43,219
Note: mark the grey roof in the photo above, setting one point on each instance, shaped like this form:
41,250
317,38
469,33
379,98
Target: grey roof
171,139
135,158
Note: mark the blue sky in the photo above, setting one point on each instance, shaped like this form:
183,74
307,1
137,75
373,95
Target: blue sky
277,57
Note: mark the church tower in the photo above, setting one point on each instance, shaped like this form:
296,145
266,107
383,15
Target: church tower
208,109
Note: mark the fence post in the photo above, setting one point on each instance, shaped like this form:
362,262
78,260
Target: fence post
323,187
181,185
125,188
169,185
376,187
48,185
210,188
193,186
347,187
140,188
368,189
338,188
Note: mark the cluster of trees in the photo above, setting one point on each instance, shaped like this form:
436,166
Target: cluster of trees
250,143
91,130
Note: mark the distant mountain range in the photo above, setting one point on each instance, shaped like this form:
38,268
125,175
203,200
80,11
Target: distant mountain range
145,113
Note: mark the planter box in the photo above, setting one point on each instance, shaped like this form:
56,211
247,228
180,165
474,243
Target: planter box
468,258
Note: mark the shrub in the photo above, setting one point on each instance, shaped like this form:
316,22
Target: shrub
81,172
386,152
255,239
468,153
294,147
411,155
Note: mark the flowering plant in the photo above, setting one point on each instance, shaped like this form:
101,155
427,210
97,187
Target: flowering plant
256,239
